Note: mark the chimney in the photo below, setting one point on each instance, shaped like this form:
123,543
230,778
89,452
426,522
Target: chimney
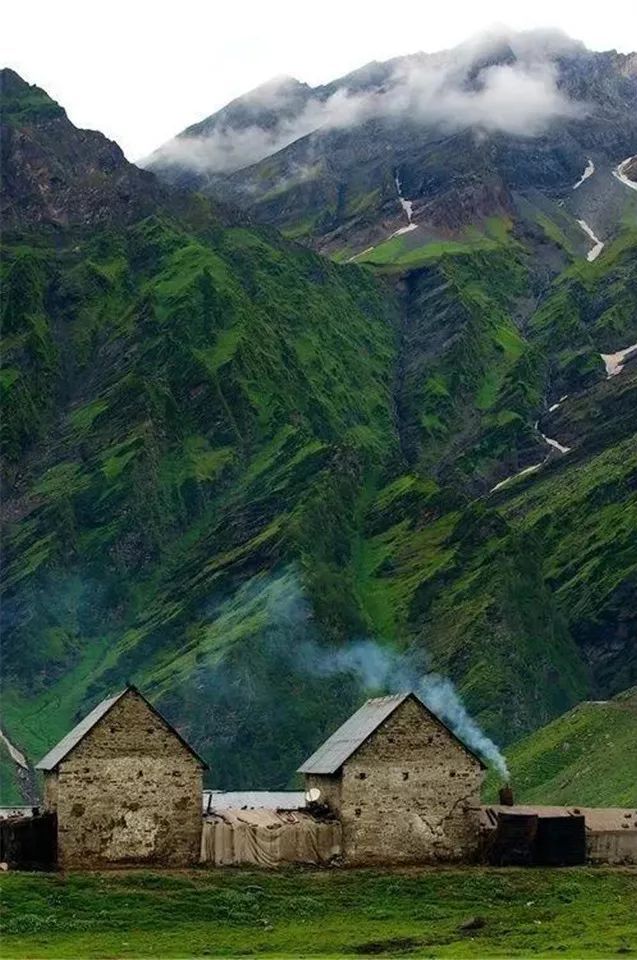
506,796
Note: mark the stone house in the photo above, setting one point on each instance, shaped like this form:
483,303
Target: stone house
404,787
126,788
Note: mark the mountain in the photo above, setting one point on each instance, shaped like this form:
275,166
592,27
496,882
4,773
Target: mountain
423,149
248,478
61,175
588,756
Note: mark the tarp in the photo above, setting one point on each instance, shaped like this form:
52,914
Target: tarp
268,838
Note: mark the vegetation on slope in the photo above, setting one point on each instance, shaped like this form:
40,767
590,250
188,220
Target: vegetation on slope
20,105
592,309
202,433
584,509
228,459
588,756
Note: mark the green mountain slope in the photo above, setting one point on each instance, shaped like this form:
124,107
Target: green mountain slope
228,460
588,756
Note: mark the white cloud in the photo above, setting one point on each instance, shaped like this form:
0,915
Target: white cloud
166,69
445,90
229,148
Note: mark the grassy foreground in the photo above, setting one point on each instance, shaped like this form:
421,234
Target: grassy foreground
311,913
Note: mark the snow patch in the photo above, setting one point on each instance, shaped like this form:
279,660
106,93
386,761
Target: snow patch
552,443
555,444
361,254
14,753
401,230
595,251
619,174
407,205
536,466
503,483
589,170
558,403
615,362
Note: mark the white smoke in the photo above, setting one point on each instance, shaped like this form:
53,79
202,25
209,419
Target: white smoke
377,669
383,669
450,91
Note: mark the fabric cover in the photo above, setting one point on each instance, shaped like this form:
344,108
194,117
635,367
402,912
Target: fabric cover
268,838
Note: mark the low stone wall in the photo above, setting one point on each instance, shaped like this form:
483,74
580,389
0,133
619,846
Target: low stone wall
613,847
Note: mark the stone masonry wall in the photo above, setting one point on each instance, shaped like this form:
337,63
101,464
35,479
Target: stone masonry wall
130,792
330,787
50,800
410,793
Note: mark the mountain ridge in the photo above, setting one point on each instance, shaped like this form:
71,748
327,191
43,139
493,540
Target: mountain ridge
444,125
228,458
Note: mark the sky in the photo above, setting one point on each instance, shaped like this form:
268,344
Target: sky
142,70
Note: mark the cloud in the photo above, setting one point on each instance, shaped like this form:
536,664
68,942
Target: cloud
464,88
287,653
510,98
230,148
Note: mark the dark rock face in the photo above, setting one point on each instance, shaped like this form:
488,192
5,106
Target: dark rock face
57,175
630,169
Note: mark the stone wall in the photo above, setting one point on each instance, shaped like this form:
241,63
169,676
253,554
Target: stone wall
612,846
410,793
129,792
50,800
330,788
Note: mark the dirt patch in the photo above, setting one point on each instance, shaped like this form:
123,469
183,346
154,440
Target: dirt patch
396,945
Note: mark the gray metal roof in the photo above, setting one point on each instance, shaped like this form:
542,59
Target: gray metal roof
253,800
73,737
338,748
332,754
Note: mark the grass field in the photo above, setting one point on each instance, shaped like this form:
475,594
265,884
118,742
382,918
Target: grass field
587,756
471,912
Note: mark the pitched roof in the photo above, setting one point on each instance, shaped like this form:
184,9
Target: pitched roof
338,748
332,754
79,731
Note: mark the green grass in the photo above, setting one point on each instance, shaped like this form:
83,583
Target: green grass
591,306
400,252
581,913
588,756
410,250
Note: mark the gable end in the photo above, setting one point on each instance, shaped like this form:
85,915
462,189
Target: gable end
62,750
